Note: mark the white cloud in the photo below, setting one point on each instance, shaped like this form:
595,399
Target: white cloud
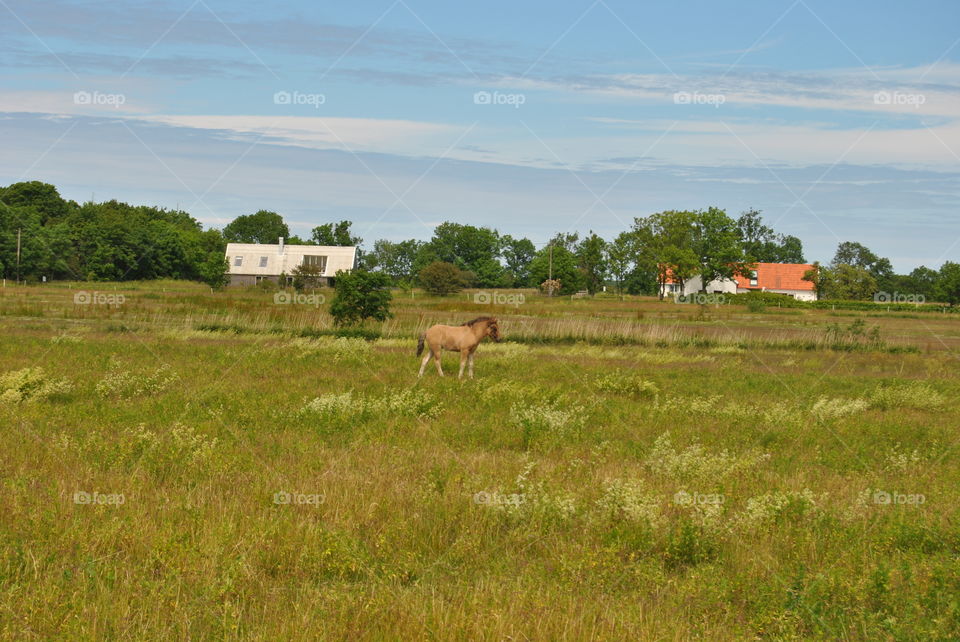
404,137
86,101
735,140
926,91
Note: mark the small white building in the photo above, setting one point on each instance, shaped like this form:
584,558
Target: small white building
251,263
780,278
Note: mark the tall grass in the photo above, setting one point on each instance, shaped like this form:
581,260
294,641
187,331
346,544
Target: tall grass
202,466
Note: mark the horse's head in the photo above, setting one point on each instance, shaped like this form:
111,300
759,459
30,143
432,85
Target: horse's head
493,331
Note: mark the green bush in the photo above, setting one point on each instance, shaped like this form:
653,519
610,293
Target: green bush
442,278
360,296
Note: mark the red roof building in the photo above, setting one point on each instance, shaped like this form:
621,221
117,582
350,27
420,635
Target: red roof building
777,276
781,278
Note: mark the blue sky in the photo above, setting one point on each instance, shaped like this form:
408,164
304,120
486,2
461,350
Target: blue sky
841,121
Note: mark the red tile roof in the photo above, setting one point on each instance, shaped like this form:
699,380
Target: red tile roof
778,276
772,276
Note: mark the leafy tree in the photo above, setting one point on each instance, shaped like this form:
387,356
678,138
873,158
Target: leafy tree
442,278
618,258
923,281
847,282
336,235
789,250
813,275
517,254
103,241
755,236
566,240
394,259
680,263
857,255
716,244
307,277
262,227
214,271
565,269
473,249
592,260
42,198
761,244
662,246
360,295
639,281
44,249
948,283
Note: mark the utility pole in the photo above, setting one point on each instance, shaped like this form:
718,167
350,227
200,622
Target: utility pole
18,255
550,274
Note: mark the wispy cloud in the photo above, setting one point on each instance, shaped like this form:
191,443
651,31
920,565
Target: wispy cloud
837,90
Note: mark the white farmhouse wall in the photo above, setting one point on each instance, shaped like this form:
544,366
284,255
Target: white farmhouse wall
272,260
692,286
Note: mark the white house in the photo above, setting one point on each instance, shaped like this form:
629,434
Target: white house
780,278
251,263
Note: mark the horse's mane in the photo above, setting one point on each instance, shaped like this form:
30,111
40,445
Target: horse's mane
478,320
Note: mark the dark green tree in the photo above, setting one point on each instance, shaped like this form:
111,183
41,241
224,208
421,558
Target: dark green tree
717,247
360,295
592,260
846,282
566,240
618,258
262,227
517,254
442,278
472,249
948,283
757,238
815,276
214,270
761,244
307,277
789,249
337,235
922,281
394,259
565,269
857,255
662,249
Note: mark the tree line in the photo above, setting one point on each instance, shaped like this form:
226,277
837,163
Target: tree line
115,241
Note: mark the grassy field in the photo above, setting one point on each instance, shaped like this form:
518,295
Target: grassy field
187,464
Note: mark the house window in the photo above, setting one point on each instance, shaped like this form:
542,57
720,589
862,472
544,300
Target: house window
263,261
237,261
319,261
753,278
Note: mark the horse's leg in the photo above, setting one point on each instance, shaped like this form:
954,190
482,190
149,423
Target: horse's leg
426,360
436,356
470,365
464,355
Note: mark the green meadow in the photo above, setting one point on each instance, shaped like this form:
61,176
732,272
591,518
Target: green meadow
185,464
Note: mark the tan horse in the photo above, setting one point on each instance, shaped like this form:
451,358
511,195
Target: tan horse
460,338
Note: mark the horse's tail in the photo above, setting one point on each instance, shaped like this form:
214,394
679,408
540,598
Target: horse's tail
423,338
